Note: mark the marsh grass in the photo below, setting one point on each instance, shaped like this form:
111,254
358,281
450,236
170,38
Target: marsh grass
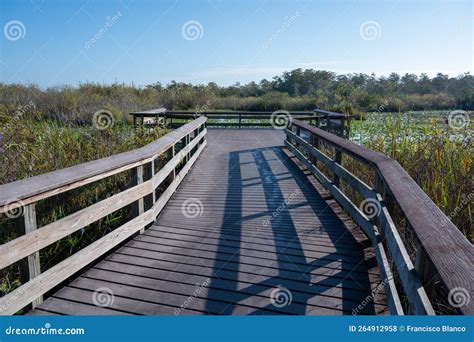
438,157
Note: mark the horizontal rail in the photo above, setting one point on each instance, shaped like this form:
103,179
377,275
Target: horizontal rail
332,114
451,256
25,191
236,112
336,123
29,244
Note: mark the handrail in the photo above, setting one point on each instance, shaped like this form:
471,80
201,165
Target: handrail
317,117
228,119
441,245
146,180
331,114
34,188
236,112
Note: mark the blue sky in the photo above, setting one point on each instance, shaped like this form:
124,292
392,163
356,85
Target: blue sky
61,42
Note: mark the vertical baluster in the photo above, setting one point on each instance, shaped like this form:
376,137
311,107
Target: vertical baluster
298,133
312,142
173,152
343,128
338,159
29,267
152,166
188,140
379,189
425,270
138,206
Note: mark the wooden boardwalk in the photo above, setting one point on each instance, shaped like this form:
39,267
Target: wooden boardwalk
247,232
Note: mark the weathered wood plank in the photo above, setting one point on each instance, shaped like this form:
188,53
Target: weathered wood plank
30,267
410,281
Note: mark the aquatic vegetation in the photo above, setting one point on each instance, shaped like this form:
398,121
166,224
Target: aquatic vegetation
438,157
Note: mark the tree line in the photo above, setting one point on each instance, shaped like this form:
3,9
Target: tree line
293,90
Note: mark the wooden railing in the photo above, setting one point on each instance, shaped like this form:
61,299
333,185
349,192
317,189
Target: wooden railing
141,162
236,119
443,254
335,123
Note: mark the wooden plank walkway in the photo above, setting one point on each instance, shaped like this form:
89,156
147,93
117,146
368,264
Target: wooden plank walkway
247,232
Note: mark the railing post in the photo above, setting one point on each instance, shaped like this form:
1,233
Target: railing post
152,169
173,152
29,267
312,158
289,128
148,173
424,269
240,120
188,140
342,129
379,189
139,206
298,133
338,159
345,133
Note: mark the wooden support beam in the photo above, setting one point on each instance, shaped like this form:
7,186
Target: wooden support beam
338,160
138,206
30,267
